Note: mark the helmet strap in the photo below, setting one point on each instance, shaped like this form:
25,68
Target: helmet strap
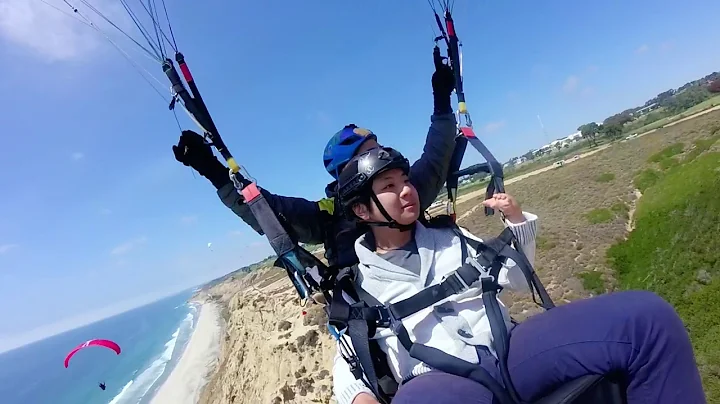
391,223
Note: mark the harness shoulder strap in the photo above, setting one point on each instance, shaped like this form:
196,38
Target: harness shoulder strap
367,362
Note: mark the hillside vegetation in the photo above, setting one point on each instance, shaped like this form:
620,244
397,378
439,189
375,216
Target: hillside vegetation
674,251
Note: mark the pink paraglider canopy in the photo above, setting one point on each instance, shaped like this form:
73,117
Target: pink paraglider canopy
93,342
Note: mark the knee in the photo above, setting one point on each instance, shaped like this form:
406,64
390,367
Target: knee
646,303
436,388
647,309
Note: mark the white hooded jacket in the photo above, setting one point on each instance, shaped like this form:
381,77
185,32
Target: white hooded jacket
455,325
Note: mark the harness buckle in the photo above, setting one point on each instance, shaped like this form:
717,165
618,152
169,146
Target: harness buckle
457,283
387,319
335,332
484,271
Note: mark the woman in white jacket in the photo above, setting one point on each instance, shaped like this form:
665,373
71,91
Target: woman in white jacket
635,333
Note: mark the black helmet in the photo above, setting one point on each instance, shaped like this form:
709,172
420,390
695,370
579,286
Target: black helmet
355,181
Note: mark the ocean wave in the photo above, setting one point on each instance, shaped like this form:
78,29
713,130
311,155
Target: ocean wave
137,388
192,315
116,399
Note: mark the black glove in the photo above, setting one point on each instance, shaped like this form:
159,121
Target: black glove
443,83
193,151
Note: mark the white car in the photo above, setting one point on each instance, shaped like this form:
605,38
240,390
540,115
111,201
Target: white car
436,204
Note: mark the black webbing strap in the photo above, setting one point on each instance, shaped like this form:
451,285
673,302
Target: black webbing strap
351,320
491,166
499,249
494,168
444,362
501,337
368,355
281,242
357,330
457,281
508,252
279,238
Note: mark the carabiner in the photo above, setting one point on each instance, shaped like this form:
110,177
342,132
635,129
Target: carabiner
464,114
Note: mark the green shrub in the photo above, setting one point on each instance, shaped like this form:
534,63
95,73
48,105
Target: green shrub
668,163
701,145
620,209
544,243
646,178
596,216
592,282
667,152
605,177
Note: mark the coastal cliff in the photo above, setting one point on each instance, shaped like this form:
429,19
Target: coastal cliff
271,352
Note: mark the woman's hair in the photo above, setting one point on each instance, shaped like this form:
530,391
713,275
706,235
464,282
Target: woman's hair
363,199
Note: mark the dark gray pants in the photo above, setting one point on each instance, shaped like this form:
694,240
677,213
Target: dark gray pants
636,333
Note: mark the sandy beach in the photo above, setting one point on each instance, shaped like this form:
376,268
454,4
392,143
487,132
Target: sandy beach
187,379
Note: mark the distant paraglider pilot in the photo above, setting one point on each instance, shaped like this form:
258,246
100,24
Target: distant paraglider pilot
105,343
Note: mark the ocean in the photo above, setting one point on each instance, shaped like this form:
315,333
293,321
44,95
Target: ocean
152,339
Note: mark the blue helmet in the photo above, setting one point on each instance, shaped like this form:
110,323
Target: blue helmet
342,147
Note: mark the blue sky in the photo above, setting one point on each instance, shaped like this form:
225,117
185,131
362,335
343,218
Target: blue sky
97,217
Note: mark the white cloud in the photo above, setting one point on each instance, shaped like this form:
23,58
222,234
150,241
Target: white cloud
188,219
540,70
588,92
493,126
571,84
77,156
46,31
105,211
320,117
129,245
257,244
236,233
642,49
52,31
6,248
120,263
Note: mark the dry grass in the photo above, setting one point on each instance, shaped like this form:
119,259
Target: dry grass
572,243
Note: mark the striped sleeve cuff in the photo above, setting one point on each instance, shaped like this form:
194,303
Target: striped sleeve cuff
525,231
351,391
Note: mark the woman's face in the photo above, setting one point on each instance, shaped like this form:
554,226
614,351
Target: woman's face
397,195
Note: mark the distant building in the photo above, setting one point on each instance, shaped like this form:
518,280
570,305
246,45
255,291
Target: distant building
646,109
515,161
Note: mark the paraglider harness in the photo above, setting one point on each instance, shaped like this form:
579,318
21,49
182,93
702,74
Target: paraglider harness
360,320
